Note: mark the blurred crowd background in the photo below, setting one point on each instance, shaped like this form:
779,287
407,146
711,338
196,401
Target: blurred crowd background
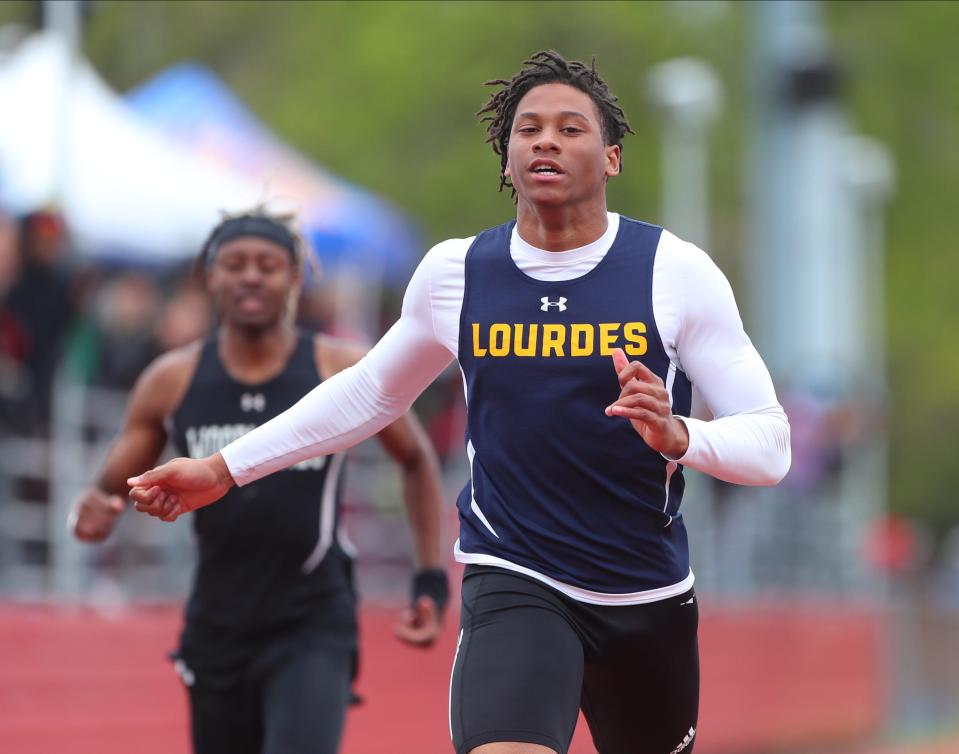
811,147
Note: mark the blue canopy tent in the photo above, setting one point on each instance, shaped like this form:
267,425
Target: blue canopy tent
348,226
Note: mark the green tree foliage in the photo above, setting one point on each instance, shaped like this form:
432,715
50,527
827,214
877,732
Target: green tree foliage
904,89
383,93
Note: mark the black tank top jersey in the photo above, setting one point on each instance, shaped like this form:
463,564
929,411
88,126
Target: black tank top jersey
269,554
557,486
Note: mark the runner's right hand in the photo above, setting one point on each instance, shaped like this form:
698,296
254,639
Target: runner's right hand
179,486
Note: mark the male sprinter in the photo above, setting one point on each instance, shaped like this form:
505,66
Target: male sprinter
268,649
580,334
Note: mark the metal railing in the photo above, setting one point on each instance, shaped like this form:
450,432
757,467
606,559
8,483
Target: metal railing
745,542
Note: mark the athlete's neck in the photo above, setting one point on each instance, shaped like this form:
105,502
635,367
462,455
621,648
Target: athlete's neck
255,355
560,228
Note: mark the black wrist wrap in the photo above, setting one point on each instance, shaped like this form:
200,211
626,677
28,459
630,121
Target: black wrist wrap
432,583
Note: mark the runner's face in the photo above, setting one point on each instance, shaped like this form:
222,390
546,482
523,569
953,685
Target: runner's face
557,155
251,280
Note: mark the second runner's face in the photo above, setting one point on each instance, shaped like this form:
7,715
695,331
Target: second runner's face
250,280
557,155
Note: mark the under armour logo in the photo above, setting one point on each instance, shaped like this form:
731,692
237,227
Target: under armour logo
561,304
253,401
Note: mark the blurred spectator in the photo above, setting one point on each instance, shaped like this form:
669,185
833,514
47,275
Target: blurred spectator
897,545
125,310
185,317
43,301
826,427
947,577
14,340
817,439
9,259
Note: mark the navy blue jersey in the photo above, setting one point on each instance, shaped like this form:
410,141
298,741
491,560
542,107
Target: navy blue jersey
269,558
557,486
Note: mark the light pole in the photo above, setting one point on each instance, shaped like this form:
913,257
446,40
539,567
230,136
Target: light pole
689,95
63,18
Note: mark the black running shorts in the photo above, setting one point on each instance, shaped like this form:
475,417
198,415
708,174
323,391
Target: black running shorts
529,658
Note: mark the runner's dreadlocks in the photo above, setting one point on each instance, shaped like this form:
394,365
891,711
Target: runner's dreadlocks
548,67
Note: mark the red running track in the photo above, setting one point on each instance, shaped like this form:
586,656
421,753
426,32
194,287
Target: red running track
75,682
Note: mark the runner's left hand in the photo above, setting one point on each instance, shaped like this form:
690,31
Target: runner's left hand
644,401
